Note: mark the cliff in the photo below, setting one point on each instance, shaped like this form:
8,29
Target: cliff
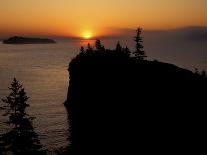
118,104
22,40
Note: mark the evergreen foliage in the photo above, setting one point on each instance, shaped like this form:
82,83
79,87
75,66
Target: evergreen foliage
139,53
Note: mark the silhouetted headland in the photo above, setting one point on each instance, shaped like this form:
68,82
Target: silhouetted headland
120,104
23,40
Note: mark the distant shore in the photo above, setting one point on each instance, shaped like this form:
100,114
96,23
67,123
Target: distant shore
23,40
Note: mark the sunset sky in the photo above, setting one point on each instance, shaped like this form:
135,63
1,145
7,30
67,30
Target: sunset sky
86,18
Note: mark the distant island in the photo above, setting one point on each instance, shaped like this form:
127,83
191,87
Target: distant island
23,40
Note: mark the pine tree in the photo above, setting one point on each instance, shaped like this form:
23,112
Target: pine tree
118,47
139,53
89,49
127,51
99,46
82,50
16,103
21,139
22,103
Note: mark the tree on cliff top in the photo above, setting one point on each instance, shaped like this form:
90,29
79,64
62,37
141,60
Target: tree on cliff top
118,47
99,46
139,53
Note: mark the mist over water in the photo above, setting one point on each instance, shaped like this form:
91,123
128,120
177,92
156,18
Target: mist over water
42,69
185,47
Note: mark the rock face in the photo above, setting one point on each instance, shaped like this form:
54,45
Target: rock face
22,40
121,105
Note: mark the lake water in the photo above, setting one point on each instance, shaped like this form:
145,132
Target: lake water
42,69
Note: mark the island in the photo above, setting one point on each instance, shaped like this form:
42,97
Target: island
120,103
23,40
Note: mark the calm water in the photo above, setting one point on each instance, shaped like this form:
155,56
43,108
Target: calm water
42,69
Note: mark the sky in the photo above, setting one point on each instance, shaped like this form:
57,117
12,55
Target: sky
89,18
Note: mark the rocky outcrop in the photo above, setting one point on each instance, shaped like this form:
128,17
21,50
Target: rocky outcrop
118,104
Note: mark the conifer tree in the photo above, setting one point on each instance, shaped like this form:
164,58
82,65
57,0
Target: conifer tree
82,50
99,46
89,49
139,53
127,51
21,139
118,47
16,103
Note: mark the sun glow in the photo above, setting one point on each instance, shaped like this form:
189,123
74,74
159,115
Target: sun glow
87,35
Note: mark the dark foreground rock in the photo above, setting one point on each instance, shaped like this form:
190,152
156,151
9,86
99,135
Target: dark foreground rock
118,104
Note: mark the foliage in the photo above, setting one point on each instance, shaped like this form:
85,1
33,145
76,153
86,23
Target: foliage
21,139
89,49
139,53
149,103
118,47
82,50
16,103
99,46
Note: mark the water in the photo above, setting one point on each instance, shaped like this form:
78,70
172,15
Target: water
42,69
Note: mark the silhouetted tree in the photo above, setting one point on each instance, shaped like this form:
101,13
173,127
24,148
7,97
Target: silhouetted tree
16,103
82,50
127,51
99,46
22,103
112,78
139,53
21,139
118,47
89,48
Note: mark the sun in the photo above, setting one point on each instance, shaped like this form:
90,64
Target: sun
87,35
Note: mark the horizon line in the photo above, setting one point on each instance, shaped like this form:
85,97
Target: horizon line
101,36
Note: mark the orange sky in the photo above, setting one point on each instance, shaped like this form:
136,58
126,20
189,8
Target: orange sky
94,17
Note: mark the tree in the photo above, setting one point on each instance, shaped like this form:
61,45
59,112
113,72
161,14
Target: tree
21,139
99,46
16,103
82,50
139,53
118,47
127,51
22,103
89,49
